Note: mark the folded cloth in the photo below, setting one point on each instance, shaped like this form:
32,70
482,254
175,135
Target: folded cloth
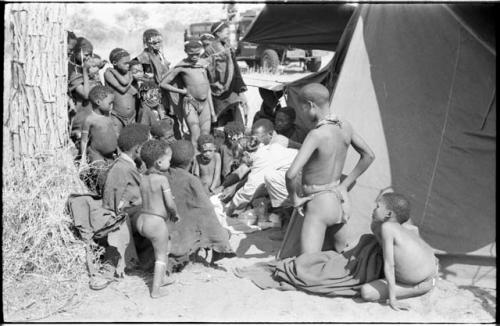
325,273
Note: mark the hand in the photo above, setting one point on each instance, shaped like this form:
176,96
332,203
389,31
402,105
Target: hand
175,218
298,201
397,305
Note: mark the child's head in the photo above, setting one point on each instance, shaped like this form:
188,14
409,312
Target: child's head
131,139
263,130
285,118
102,98
120,59
314,100
206,146
220,30
182,153
156,153
193,49
136,69
233,131
152,40
83,50
150,93
392,205
163,130
206,39
96,63
71,42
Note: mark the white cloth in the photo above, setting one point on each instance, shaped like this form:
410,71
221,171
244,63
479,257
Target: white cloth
267,159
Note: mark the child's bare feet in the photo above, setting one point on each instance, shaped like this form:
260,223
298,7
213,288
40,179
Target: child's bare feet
158,293
167,280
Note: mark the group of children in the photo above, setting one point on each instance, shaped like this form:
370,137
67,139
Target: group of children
172,104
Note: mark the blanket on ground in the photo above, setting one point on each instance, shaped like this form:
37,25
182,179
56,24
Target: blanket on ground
325,273
199,226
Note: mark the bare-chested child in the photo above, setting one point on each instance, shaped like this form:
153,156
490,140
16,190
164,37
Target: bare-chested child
197,106
120,79
321,159
158,208
163,130
99,140
208,164
410,267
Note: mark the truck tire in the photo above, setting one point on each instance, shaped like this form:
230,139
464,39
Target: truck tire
314,64
269,60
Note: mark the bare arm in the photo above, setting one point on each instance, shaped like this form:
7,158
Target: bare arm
388,233
216,178
168,199
306,150
85,138
169,77
123,80
111,80
84,89
367,157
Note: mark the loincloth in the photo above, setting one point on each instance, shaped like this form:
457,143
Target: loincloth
124,120
316,190
190,104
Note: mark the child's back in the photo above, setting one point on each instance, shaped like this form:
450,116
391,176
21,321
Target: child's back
414,260
102,137
152,194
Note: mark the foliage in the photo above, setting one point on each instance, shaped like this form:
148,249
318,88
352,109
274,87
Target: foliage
43,261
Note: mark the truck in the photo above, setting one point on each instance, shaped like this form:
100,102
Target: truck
268,57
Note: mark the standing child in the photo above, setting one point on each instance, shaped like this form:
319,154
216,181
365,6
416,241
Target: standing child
410,267
197,108
158,208
207,164
99,141
120,80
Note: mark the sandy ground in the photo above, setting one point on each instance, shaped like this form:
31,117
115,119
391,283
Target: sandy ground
204,294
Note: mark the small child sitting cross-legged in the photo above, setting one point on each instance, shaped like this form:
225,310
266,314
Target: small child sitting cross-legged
158,208
207,164
410,267
97,131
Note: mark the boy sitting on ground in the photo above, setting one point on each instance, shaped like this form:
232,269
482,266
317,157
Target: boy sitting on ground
197,108
207,164
158,208
410,267
150,109
120,80
163,130
99,140
233,131
285,125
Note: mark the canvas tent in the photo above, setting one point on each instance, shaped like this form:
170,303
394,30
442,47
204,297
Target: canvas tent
418,83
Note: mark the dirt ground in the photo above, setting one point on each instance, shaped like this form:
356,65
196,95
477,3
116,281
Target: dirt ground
204,294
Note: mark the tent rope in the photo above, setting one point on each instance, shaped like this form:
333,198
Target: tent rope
493,96
443,131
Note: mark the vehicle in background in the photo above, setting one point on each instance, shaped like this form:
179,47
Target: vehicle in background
267,57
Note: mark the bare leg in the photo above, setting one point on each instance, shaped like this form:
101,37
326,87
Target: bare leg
155,229
378,290
205,122
313,234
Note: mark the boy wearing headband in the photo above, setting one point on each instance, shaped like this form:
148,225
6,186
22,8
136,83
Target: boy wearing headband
120,80
196,109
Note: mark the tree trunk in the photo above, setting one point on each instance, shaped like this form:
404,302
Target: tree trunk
36,119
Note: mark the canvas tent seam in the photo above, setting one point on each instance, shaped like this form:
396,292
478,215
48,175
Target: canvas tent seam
485,118
468,29
443,131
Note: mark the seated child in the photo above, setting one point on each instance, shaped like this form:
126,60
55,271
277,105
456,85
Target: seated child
197,108
163,130
158,208
410,267
99,140
150,109
199,227
284,123
120,80
207,164
233,132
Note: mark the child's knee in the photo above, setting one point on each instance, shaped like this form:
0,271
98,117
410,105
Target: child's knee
368,293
